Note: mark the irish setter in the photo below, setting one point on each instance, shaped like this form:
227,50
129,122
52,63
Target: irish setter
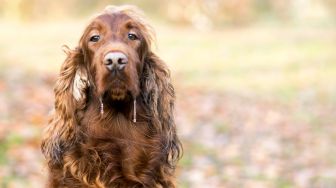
113,123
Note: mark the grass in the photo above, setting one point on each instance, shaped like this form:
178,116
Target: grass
9,141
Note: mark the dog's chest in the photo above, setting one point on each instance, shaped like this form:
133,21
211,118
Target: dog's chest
118,148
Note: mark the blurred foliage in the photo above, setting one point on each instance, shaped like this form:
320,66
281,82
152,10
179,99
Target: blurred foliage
199,13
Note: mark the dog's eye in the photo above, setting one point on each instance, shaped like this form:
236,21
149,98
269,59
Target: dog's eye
132,36
95,38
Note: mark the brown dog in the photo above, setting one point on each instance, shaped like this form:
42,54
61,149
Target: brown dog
113,123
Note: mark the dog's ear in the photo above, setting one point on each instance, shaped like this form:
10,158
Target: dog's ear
70,97
159,96
72,83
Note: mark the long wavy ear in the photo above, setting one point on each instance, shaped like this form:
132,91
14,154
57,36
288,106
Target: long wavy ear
158,94
69,98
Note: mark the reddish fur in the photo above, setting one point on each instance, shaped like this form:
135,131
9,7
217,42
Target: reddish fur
86,149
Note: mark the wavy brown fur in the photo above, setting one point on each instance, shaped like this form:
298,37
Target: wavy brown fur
86,149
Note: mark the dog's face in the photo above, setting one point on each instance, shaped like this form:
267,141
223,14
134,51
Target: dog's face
115,45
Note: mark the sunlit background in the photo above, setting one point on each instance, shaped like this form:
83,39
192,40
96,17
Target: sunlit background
255,83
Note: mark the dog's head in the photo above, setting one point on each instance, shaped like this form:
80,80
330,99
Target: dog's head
114,47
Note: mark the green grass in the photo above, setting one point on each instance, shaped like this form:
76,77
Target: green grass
9,141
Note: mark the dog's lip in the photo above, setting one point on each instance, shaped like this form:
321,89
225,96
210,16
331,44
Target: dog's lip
115,94
115,75
116,89
117,83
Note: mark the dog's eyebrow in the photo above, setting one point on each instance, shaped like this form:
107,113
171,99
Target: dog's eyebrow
94,27
131,25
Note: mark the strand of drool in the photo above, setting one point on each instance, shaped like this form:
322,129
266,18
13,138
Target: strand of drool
101,106
134,111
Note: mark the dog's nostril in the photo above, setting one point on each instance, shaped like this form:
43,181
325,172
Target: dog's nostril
122,61
108,61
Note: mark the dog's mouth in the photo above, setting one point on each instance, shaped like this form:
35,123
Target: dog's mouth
116,90
118,86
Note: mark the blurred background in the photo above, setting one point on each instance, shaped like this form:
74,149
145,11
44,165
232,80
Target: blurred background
255,83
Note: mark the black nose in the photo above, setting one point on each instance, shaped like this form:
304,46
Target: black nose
115,60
